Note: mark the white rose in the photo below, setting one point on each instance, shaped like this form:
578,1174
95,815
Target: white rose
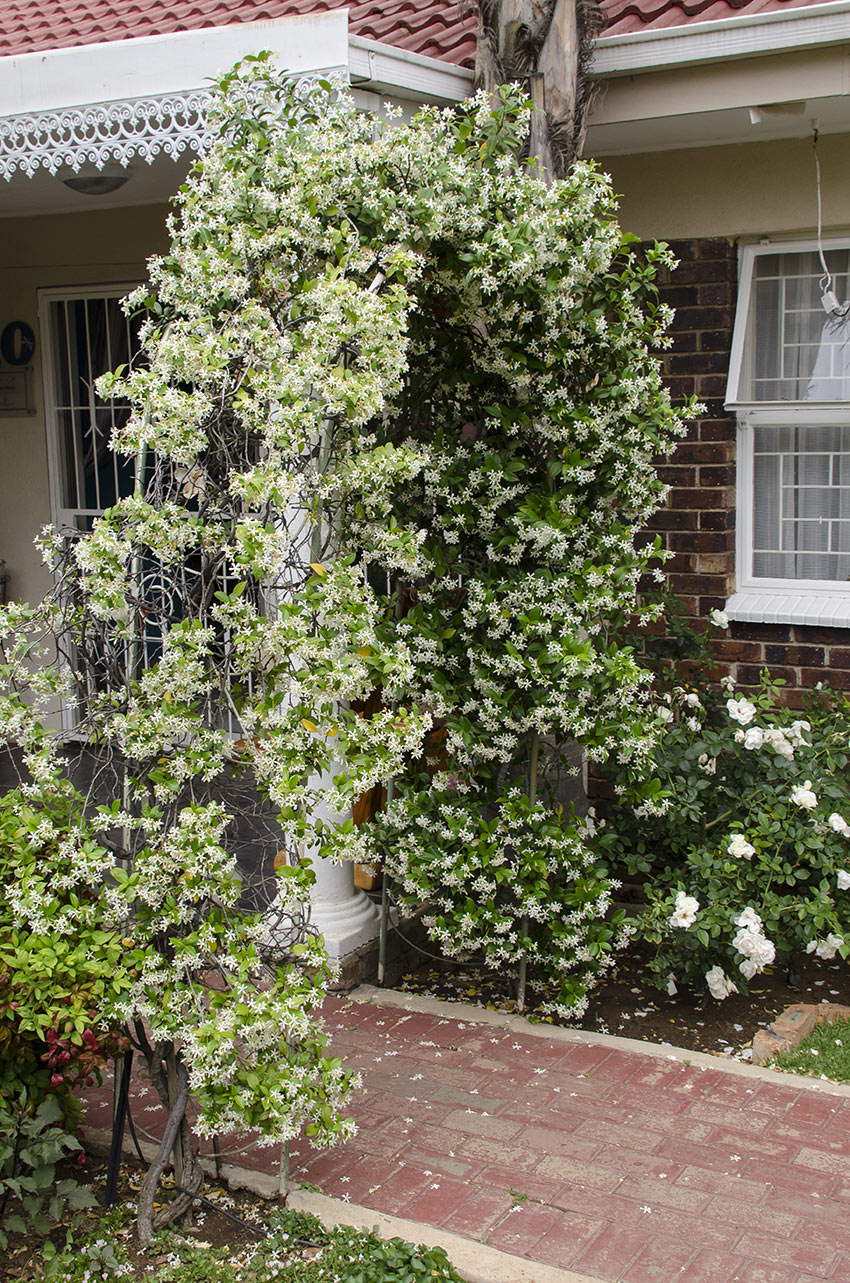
719,618
749,919
838,824
665,714
692,700
843,880
719,985
685,910
728,684
795,732
741,710
803,796
740,847
775,739
829,947
753,738
707,764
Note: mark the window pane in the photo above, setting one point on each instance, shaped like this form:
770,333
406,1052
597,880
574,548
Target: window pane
801,502
793,349
89,336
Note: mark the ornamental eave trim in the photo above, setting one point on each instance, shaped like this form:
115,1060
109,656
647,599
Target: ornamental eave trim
105,133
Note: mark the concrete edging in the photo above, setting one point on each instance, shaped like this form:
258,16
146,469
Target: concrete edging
477,1262
556,1033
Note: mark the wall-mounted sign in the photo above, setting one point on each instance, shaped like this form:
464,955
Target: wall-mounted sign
15,392
17,343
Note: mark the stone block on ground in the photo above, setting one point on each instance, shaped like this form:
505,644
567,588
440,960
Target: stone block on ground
795,1024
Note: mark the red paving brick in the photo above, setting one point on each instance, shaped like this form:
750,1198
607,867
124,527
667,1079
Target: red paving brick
627,1166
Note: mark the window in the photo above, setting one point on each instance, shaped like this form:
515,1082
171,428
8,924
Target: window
86,334
790,383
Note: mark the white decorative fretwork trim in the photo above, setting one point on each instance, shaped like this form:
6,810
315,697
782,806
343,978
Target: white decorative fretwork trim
105,132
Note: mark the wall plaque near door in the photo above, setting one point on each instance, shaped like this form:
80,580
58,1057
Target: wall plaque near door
16,392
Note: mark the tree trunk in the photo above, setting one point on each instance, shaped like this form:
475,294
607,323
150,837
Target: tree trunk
544,45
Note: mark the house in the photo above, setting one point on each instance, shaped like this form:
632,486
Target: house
725,128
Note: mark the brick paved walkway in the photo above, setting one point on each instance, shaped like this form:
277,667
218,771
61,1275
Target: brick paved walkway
620,1164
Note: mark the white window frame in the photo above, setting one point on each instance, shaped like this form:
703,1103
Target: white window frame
60,515
764,600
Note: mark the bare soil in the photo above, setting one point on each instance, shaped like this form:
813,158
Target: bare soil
624,1003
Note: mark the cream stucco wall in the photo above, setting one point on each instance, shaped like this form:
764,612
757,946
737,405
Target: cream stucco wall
100,247
751,190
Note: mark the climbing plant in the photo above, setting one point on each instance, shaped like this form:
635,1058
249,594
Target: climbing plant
392,428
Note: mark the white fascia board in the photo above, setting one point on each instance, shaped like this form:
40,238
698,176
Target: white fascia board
386,69
738,37
149,66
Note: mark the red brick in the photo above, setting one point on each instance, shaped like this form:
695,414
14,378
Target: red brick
839,657
838,678
750,674
478,1213
787,1254
715,341
435,1206
716,430
761,632
717,475
715,294
613,1251
712,1267
711,385
670,519
702,500
702,452
809,655
661,1261
522,1228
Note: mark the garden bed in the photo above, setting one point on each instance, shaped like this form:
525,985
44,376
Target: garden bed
626,1004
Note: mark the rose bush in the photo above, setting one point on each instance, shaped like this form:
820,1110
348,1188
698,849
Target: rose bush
742,836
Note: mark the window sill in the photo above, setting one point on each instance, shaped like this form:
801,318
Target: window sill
767,606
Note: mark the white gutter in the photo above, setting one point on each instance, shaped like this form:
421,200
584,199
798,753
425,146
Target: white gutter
736,37
385,69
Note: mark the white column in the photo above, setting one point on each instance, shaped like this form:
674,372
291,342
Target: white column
346,917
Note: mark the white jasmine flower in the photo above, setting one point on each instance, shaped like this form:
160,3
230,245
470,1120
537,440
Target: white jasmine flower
741,710
740,847
719,985
719,618
843,880
803,796
685,911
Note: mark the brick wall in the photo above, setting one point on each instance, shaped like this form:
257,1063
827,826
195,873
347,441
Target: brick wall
698,523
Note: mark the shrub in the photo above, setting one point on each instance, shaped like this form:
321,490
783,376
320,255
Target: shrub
516,881
32,1143
60,971
742,836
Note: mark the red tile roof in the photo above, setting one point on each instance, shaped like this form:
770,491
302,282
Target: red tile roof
625,16
438,28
